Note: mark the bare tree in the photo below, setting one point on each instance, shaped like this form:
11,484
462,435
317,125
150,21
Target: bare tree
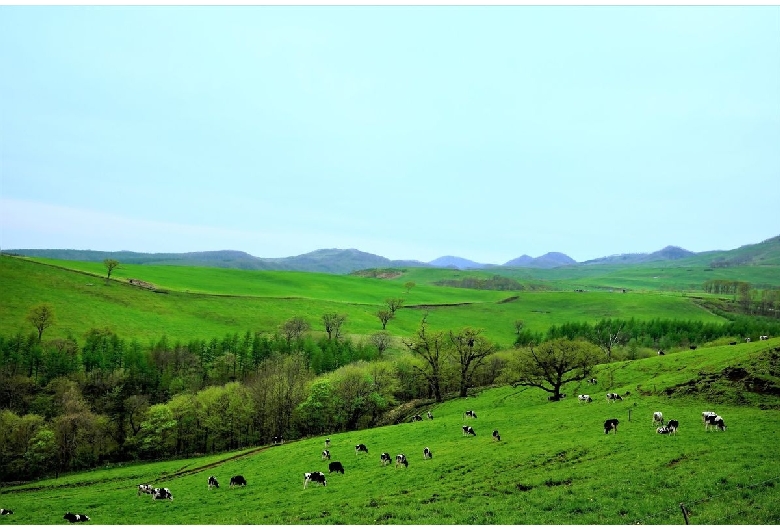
294,328
384,317
470,350
429,346
607,334
382,340
42,317
394,303
110,264
554,363
333,323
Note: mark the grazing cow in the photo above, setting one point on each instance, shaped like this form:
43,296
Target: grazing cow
692,346
416,417
747,339
468,430
3,511
673,425
733,343
277,440
160,494
716,422
584,398
611,396
314,476
663,430
238,480
75,517
469,414
326,455
213,482
658,419
327,442
430,415
384,459
593,381
427,454
145,488
361,448
400,460
496,436
610,425
763,337
335,466
661,352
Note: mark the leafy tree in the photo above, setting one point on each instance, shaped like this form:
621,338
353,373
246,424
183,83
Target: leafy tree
470,349
110,265
384,316
409,286
429,346
333,323
294,328
394,304
41,316
554,363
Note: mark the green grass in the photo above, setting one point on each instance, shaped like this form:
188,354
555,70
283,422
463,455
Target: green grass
554,464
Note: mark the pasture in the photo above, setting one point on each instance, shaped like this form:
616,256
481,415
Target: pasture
553,465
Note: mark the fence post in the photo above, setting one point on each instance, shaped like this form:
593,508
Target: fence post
685,513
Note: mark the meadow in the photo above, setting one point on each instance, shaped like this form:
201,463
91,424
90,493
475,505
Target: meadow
553,465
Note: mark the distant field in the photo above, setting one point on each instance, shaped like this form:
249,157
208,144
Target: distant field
203,303
553,465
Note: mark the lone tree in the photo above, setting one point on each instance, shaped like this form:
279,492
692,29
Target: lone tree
552,364
42,317
394,303
409,286
333,323
110,264
429,346
470,350
384,316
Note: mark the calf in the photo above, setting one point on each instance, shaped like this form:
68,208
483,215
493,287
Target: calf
427,454
593,381
496,436
763,337
747,339
384,459
75,517
468,430
145,488
658,419
401,460
673,425
160,494
416,417
3,511
610,425
361,448
611,396
326,455
469,414
327,442
213,482
335,466
238,480
277,440
314,476
430,415
584,398
716,422
663,430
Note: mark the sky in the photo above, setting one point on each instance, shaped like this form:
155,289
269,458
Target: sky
411,132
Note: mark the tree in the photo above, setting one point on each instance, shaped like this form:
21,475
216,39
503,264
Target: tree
333,323
409,286
294,328
470,350
384,317
607,334
554,363
430,347
382,340
42,317
394,303
110,265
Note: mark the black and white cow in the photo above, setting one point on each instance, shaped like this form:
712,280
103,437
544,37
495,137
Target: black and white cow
658,419
430,415
705,414
663,430
496,436
314,476
611,396
763,337
400,460
385,459
213,482
469,414
610,425
416,417
75,517
326,455
584,398
427,454
593,381
673,425
692,346
238,480
661,352
160,494
361,448
277,440
3,511
747,339
716,422
145,488
327,442
335,466
468,430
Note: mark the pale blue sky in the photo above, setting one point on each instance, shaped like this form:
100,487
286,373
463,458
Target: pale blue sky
408,132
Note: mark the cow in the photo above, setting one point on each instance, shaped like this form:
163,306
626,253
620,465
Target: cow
733,343
430,415
327,442
763,337
213,482
469,414
416,417
160,494
75,517
584,398
238,480
145,488
335,466
314,476
658,419
361,448
400,460
610,425
692,346
661,352
673,425
326,455
747,339
3,511
468,430
427,454
496,436
384,459
611,396
277,440
663,430
715,422
593,381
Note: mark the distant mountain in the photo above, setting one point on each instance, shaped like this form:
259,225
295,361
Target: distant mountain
668,253
454,262
546,261
522,261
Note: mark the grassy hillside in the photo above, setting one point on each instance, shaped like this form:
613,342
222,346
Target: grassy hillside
553,465
204,303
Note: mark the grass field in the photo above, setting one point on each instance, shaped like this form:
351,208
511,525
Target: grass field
553,465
